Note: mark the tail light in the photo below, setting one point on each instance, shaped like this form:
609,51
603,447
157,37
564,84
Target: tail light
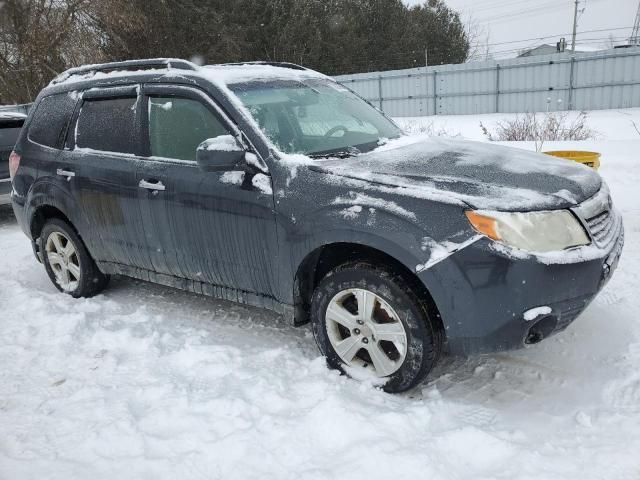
14,163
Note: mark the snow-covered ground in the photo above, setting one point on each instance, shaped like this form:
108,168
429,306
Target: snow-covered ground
606,124
149,382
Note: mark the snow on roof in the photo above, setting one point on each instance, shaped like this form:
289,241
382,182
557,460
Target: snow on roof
224,73
230,74
6,114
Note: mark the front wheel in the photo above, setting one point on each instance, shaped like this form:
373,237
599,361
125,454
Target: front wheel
67,261
367,320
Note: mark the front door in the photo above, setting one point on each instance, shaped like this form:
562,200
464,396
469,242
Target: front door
217,228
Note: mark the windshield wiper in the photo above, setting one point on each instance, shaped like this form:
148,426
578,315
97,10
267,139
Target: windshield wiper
349,152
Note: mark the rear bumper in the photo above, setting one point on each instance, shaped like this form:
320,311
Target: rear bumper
19,210
483,295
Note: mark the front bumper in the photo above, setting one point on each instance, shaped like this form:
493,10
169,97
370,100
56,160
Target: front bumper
483,292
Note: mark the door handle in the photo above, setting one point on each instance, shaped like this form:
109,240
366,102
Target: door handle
65,173
151,185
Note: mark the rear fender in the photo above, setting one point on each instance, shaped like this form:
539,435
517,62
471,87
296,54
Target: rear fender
46,193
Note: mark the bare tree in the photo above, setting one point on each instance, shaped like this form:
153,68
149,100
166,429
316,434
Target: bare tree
478,37
41,38
38,39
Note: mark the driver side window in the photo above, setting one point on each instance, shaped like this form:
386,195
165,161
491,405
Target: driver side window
178,125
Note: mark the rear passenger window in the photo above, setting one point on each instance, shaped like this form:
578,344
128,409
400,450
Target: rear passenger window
178,125
51,118
109,125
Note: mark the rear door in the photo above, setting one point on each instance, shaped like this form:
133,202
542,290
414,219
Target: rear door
214,227
41,153
103,153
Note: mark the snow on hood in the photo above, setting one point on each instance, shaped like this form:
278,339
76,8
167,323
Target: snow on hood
476,174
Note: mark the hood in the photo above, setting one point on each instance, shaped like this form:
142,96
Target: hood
478,175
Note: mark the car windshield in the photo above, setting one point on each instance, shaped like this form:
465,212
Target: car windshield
316,117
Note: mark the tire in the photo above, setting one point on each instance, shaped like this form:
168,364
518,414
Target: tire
63,250
396,306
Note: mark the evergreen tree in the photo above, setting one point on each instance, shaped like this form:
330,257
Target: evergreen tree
40,38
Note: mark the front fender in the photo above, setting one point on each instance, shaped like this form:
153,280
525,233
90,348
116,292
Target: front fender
314,209
366,225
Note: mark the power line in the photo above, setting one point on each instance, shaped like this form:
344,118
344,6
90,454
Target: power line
492,5
537,10
557,35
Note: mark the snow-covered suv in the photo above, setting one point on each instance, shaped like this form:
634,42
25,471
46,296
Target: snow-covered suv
272,185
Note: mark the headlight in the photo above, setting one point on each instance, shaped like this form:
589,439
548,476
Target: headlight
543,231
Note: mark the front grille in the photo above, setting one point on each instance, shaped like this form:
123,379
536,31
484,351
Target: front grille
600,226
600,218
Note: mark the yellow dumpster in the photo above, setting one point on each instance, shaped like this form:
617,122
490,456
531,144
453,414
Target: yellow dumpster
590,159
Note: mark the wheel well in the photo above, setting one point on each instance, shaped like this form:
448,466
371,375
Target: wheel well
324,259
41,215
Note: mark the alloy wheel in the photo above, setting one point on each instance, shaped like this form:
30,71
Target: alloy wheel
63,259
366,332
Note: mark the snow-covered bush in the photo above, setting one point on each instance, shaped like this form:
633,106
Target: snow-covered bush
539,128
413,127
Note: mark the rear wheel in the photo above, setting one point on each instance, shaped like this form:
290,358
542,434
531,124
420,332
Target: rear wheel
368,321
67,262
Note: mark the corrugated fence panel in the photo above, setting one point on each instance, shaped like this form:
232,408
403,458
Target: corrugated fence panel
406,95
588,81
609,82
467,90
366,88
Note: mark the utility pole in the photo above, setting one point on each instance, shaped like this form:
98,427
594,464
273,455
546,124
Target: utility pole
426,56
575,27
635,34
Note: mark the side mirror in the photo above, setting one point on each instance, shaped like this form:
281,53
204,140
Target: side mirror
220,154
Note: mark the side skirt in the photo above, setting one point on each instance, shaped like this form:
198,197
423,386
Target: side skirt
208,289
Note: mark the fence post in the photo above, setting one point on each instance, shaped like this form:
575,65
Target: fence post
573,61
435,92
380,91
498,88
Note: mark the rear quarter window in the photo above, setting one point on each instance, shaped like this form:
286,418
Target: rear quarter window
109,125
51,118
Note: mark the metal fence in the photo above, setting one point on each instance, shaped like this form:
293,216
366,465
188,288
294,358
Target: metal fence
585,81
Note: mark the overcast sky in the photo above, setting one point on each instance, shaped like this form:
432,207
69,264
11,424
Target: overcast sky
511,20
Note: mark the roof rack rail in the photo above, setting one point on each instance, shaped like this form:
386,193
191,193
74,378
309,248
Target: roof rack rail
293,66
168,63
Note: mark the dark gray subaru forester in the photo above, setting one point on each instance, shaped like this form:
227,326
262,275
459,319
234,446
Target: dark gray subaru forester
274,186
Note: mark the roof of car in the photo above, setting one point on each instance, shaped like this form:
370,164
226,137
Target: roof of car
225,73
236,73
11,116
